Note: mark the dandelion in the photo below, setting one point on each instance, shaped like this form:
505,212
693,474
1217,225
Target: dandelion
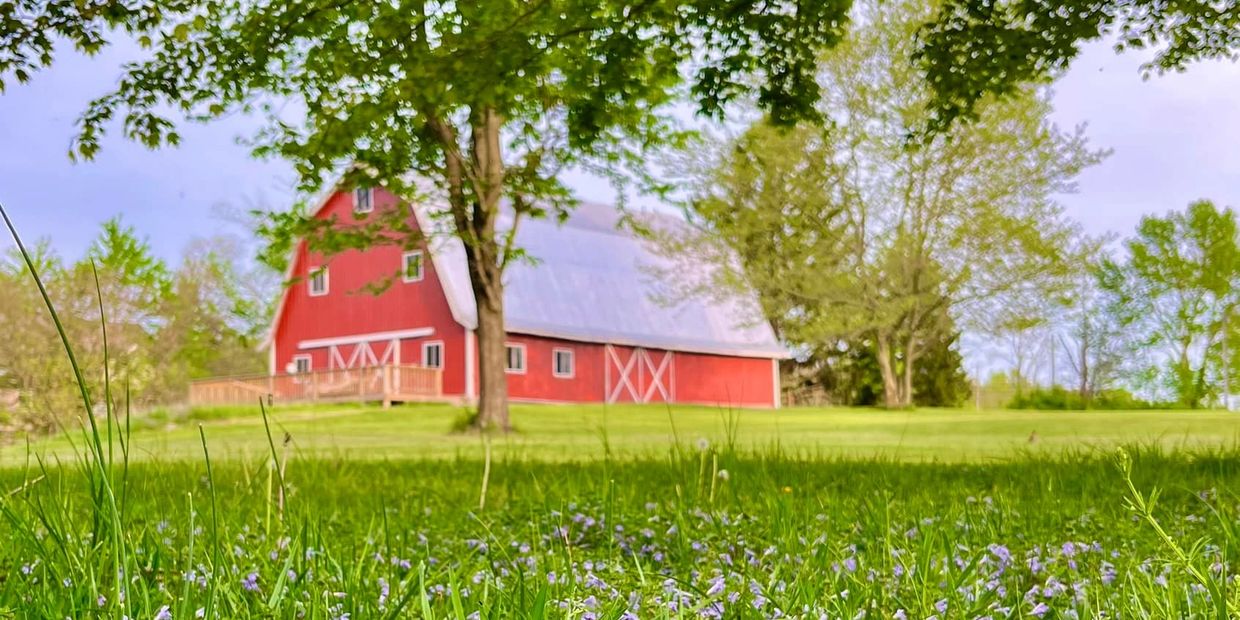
703,444
723,474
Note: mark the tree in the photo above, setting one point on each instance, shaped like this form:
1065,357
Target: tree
975,49
845,232
846,372
1173,293
31,360
488,101
213,323
1093,340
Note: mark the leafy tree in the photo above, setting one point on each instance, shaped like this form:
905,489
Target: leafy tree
31,361
1093,340
31,30
849,374
845,232
1173,292
164,327
213,323
975,49
487,101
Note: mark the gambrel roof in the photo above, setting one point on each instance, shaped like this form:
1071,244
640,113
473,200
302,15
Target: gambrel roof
591,281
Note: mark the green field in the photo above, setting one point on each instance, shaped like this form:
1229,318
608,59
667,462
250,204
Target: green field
629,512
559,433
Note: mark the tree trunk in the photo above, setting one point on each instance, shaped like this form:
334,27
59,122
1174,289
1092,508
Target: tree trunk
886,368
1083,364
475,218
487,269
910,358
492,354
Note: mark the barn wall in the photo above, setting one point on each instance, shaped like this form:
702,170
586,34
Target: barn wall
724,381
349,309
538,382
689,377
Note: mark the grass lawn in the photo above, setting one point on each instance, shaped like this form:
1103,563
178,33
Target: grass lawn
564,432
592,513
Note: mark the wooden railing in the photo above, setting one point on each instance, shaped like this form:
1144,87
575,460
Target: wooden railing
374,383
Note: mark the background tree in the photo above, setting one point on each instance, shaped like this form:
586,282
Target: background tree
1172,292
847,232
165,326
1092,339
213,320
974,49
487,101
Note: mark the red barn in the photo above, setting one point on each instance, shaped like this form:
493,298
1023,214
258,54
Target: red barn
587,319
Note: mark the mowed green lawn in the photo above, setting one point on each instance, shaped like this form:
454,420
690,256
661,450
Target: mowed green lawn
576,432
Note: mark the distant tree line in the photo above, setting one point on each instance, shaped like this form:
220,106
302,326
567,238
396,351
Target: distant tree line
1150,324
165,325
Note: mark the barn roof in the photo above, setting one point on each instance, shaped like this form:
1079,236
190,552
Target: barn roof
591,281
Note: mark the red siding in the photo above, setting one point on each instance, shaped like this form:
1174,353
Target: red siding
687,378
538,382
349,309
724,381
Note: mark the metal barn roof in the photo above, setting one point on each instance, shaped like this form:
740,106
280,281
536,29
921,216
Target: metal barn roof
591,281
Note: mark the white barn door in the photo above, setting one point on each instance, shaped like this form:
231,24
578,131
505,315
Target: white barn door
638,375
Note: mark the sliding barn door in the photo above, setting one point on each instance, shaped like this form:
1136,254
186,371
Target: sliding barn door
638,375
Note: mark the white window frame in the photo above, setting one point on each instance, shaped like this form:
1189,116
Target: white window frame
297,365
428,345
572,362
370,200
314,271
525,360
404,266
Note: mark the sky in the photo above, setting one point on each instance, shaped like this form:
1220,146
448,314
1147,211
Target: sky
1175,139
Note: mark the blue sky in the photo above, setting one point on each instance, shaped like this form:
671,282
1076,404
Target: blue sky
1176,138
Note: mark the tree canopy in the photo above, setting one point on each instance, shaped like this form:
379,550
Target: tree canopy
845,231
1173,291
479,105
975,49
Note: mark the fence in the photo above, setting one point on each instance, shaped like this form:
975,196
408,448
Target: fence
387,384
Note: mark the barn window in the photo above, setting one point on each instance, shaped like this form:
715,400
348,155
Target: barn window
562,363
411,263
515,359
301,364
363,200
432,355
318,281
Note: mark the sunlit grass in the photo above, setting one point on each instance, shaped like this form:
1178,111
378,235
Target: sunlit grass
571,432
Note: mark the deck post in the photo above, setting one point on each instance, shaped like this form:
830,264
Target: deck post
387,386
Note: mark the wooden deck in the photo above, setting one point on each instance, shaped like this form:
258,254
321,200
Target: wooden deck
386,384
